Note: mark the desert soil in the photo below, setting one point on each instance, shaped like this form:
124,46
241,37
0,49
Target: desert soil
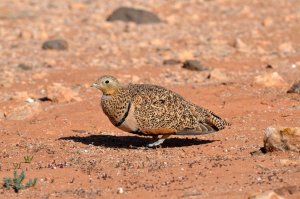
49,111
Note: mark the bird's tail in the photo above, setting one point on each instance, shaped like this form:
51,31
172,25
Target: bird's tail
208,122
217,122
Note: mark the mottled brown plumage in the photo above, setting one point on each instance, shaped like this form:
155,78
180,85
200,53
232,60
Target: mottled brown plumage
145,109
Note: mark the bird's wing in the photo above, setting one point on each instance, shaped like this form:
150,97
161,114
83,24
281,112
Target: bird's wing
201,129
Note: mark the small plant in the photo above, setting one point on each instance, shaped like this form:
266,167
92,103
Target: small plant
16,182
28,159
17,165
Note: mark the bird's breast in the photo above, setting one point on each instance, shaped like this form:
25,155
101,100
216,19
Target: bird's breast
130,124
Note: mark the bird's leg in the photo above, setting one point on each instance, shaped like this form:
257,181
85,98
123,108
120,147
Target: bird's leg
158,142
155,137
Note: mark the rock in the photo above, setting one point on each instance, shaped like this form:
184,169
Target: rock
24,66
57,44
59,93
24,112
270,80
30,100
120,190
191,194
77,6
241,46
21,96
267,22
135,79
156,42
2,115
171,62
7,78
288,162
266,195
25,34
186,55
295,88
221,51
13,14
138,16
39,75
282,139
194,65
42,34
217,74
286,48
269,66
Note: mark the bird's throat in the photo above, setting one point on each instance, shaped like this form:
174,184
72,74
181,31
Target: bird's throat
110,91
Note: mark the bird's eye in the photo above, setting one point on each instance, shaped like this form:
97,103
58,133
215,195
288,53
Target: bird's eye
106,82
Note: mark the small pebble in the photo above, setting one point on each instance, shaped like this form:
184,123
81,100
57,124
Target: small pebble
56,44
29,100
120,190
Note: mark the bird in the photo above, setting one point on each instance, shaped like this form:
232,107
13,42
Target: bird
152,110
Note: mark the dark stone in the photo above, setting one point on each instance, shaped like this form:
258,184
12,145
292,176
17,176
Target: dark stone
295,88
171,62
133,15
194,65
24,66
56,44
269,66
45,99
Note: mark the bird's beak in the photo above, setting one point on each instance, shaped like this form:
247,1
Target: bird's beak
94,85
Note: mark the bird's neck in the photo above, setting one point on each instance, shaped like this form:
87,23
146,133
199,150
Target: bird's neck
111,91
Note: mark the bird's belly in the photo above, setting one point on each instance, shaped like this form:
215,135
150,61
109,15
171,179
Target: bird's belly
128,126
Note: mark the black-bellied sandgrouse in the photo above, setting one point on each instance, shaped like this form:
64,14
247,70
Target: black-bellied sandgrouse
152,110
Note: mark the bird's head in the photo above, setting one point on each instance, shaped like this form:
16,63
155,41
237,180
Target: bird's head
107,84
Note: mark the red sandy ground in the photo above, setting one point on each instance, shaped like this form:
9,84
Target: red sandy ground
77,152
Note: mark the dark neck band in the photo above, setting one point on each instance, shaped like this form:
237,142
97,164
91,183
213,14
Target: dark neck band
125,115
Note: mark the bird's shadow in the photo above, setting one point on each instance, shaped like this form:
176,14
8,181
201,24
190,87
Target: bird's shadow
131,142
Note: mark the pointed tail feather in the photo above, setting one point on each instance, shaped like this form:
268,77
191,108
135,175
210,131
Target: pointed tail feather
201,130
216,121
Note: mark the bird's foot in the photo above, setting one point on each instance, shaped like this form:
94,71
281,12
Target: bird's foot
158,142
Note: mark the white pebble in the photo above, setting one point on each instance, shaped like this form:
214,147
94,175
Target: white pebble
258,179
120,190
29,100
